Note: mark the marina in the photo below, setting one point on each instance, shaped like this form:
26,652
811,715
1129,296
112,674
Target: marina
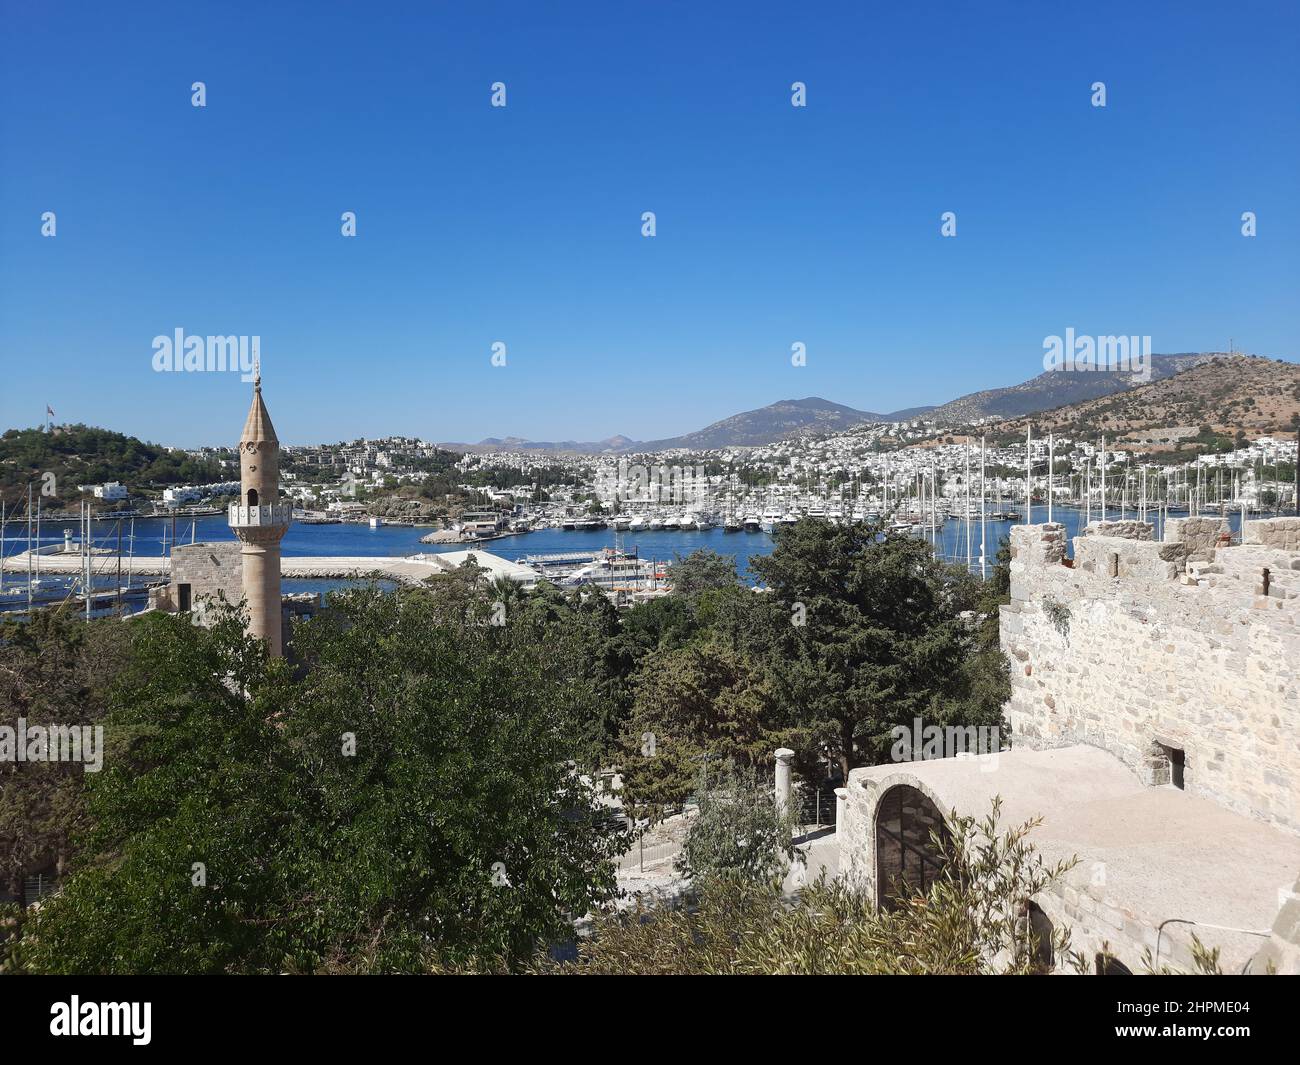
320,557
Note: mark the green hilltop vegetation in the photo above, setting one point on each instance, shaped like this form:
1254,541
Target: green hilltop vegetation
83,454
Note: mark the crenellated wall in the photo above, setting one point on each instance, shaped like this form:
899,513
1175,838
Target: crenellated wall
1142,645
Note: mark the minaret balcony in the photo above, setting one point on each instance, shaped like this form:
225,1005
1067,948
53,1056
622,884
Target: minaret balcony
273,515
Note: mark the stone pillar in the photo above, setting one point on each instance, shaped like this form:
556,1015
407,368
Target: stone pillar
841,804
784,759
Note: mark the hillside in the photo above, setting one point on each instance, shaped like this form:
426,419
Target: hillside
766,425
612,445
81,454
1050,390
1209,406
770,423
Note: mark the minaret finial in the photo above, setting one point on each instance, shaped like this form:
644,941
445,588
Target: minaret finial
257,373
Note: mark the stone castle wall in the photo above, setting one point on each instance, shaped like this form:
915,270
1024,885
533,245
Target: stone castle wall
1140,645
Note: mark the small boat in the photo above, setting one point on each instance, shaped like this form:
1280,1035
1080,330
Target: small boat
636,523
656,523
375,523
622,523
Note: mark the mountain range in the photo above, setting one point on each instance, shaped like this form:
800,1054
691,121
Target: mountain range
766,425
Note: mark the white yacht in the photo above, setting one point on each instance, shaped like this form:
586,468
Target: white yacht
771,519
637,523
613,571
752,522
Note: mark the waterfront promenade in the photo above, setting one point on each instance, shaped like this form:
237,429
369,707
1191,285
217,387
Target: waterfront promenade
410,569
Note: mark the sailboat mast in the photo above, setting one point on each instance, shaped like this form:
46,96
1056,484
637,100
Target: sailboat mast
29,550
1029,475
967,515
1102,470
983,546
1051,468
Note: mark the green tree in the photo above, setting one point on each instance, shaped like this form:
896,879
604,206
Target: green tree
702,571
55,670
869,632
737,831
699,702
411,795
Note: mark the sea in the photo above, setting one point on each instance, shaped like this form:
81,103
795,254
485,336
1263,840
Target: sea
152,537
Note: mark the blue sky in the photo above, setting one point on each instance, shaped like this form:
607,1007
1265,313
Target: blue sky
523,224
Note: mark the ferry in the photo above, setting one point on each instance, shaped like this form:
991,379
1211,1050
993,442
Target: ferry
615,571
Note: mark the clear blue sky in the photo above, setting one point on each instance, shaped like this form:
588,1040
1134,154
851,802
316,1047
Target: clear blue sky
522,224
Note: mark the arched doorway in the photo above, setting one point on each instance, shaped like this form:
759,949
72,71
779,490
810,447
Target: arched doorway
252,497
907,859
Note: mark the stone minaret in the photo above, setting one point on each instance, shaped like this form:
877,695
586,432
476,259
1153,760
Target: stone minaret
260,520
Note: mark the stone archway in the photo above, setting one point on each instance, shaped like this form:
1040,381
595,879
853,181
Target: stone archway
907,859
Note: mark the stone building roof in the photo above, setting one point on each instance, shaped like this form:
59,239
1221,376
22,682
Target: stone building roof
1164,855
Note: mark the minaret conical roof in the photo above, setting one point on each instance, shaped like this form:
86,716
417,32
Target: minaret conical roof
258,425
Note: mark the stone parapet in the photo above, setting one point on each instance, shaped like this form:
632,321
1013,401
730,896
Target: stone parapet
1128,530
1280,533
271,514
1148,647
